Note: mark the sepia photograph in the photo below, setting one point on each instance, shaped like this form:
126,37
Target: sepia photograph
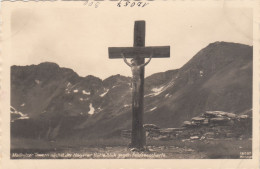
131,83
74,92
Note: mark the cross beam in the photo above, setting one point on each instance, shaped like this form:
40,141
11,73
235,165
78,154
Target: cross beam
139,52
131,52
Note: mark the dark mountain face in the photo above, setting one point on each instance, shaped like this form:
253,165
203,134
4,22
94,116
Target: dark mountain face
59,103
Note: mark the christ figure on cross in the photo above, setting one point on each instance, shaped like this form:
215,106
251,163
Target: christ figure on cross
136,70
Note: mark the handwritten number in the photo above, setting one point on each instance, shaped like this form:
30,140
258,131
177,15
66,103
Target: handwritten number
132,4
126,3
119,3
145,4
96,4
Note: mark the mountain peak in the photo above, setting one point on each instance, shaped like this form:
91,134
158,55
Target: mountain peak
49,64
218,54
224,43
91,77
116,79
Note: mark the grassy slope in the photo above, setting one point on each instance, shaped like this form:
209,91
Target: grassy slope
213,149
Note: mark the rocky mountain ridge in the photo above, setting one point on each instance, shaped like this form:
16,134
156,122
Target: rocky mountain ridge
61,104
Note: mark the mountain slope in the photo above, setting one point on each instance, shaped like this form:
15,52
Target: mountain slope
219,77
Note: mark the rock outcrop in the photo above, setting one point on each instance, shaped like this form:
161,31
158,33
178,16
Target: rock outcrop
210,125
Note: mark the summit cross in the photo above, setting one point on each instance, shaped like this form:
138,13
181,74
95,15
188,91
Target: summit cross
138,53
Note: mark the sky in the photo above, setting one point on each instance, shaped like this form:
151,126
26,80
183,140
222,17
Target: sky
79,38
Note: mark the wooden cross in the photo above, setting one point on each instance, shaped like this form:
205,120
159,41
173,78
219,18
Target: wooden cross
139,52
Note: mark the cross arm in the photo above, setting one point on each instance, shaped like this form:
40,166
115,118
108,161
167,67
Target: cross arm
131,52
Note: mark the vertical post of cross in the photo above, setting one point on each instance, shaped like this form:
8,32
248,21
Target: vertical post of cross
138,133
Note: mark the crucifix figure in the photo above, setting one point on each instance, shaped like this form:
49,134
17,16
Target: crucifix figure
138,53
136,80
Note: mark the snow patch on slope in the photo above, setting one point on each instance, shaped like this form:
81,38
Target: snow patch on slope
168,95
201,73
69,88
126,105
85,92
153,109
103,94
22,115
158,90
37,81
68,84
92,109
